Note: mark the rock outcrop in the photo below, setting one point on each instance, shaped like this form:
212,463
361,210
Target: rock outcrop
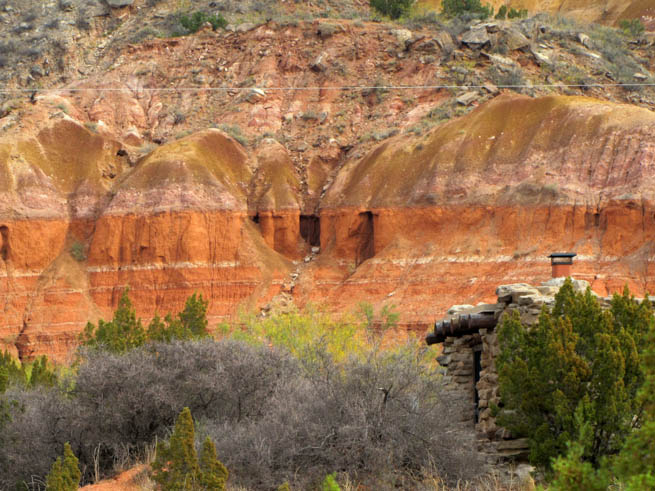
489,196
416,222
317,195
74,237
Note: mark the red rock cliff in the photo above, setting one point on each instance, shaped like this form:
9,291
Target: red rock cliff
418,222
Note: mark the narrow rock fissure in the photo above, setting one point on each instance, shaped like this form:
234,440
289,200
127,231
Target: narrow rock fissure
365,234
4,242
255,218
310,229
20,343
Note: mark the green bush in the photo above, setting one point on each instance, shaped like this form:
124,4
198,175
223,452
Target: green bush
193,22
10,371
176,466
213,474
632,27
28,374
456,8
77,251
511,78
574,376
330,483
619,60
125,331
234,131
573,472
40,375
502,12
392,8
64,475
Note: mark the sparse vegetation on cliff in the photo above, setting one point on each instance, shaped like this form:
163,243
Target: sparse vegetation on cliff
632,27
194,21
77,251
392,8
456,8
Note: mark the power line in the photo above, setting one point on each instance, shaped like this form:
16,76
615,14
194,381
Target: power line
340,88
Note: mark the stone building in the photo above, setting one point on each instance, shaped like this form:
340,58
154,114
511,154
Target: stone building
470,346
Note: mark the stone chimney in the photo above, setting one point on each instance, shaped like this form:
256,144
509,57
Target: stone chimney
561,263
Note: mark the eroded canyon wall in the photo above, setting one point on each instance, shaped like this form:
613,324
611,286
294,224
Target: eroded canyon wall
418,222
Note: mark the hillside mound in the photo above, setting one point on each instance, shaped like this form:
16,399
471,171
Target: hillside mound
513,150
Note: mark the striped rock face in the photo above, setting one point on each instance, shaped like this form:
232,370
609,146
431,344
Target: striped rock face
420,223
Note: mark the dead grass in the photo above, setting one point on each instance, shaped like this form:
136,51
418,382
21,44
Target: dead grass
493,481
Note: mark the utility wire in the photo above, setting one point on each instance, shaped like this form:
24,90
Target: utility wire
342,88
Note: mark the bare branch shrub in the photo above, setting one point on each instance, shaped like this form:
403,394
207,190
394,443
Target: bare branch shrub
120,403
39,427
382,420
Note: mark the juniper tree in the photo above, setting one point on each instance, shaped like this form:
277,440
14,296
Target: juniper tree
122,333
578,366
636,463
176,464
125,331
213,474
194,315
190,323
64,474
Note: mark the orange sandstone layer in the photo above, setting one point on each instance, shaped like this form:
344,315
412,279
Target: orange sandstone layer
422,223
422,260
163,258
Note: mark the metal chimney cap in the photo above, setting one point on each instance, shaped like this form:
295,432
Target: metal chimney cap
563,254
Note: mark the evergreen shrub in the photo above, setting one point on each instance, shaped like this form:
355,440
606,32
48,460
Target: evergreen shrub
392,8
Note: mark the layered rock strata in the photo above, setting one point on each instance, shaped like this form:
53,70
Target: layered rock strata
418,222
488,196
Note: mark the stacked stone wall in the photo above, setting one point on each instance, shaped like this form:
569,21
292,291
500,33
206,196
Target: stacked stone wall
458,361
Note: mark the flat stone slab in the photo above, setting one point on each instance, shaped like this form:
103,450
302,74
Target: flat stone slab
578,285
119,3
456,309
513,292
518,444
476,37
